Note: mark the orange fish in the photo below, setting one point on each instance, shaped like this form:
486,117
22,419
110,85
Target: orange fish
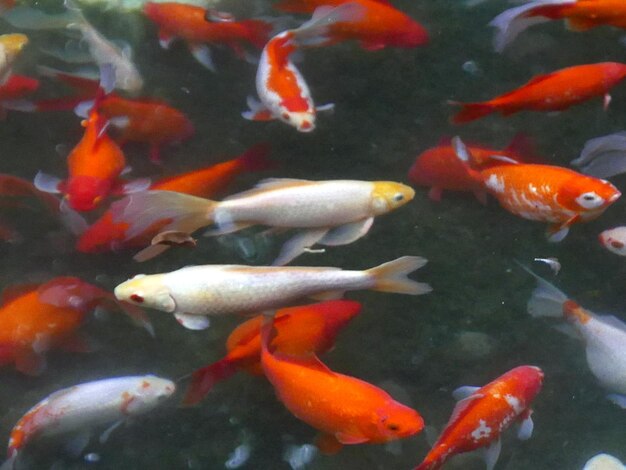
440,169
107,235
35,318
188,22
345,409
482,414
580,15
299,331
379,25
555,91
545,193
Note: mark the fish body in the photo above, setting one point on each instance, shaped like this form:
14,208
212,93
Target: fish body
614,240
345,409
299,331
484,413
88,405
195,292
555,91
16,87
10,47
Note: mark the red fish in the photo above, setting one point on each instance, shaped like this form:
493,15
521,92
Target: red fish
15,89
555,91
107,235
35,318
484,413
299,331
440,169
545,193
188,22
380,24
346,410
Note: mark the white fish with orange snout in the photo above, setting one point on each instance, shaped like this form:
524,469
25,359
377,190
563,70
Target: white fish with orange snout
614,240
196,292
81,408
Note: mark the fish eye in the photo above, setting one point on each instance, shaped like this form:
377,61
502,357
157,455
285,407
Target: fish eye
398,197
137,298
285,116
590,200
393,427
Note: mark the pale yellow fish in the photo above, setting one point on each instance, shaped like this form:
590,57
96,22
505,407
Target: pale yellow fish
10,47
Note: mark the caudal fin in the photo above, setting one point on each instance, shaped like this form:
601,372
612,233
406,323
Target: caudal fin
256,158
314,33
471,112
203,380
604,156
392,276
546,300
258,31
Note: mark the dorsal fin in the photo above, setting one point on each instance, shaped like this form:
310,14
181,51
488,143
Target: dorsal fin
11,293
271,184
310,361
462,406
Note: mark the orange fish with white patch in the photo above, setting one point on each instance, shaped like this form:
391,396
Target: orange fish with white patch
559,196
344,409
299,331
484,413
555,91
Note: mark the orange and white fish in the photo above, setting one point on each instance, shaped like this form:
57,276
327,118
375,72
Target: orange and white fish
194,293
484,413
299,331
81,408
10,47
614,240
559,196
332,213
604,336
555,91
580,15
346,410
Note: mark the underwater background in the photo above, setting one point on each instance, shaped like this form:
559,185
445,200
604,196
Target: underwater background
390,105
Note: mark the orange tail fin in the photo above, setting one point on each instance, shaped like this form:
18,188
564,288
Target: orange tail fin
256,158
203,380
258,31
471,112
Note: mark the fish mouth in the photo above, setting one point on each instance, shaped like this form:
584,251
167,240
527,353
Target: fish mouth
615,197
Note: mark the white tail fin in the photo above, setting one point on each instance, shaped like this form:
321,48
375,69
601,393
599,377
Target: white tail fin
392,276
314,32
603,157
546,300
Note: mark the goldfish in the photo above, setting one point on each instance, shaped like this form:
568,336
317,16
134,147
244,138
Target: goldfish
580,15
346,410
379,25
614,240
334,212
106,235
484,413
178,20
10,47
196,292
545,193
440,169
35,318
82,407
603,335
299,331
604,156
555,91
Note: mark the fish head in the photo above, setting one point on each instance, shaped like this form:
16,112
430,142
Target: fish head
397,421
85,193
614,71
13,43
588,195
389,195
147,291
614,240
526,383
149,392
303,121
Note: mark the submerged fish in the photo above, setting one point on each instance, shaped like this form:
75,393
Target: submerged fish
614,240
10,47
604,462
484,413
604,156
196,292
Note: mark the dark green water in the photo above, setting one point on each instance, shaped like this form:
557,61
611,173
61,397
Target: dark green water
390,106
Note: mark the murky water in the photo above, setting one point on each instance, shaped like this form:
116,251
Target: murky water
390,106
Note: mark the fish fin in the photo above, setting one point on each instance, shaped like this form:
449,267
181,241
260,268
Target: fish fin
48,183
492,453
328,444
107,432
120,122
71,219
546,300
15,291
568,330
557,232
392,276
202,53
193,322
310,360
481,196
295,246
347,233
135,313
257,111
603,157
83,108
526,426
150,252
510,23
258,32
29,362
372,46
256,158
613,321
471,111
521,145
350,438
165,39
580,24
203,379
129,187
431,435
314,32
464,392
225,228
462,406
11,462
435,193
328,295
270,184
77,444
325,108
617,399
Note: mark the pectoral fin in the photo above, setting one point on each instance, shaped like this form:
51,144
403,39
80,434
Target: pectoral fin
558,232
492,453
193,322
296,245
526,427
348,233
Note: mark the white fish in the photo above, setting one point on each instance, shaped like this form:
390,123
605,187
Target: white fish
80,408
195,292
604,156
604,462
604,336
614,240
332,213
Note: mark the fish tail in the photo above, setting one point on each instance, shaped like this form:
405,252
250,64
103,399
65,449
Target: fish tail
604,156
11,462
429,464
546,300
203,380
314,32
392,276
256,158
471,112
258,32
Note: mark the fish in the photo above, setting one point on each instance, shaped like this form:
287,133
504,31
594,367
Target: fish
14,91
380,25
35,318
346,410
107,235
440,169
604,156
546,193
194,293
13,187
614,240
11,46
580,15
299,331
83,407
604,336
604,462
482,414
555,91
187,22
332,213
